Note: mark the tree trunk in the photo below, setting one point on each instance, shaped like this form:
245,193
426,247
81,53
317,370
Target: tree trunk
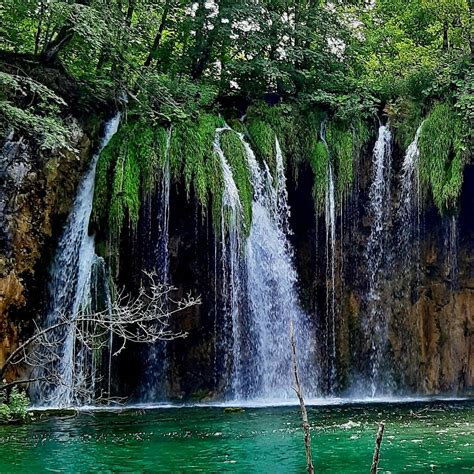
39,30
204,44
159,34
445,35
62,39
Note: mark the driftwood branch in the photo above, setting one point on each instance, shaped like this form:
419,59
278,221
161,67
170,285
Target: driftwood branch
304,413
378,442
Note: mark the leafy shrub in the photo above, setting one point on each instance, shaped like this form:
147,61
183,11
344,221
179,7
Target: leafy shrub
15,407
33,109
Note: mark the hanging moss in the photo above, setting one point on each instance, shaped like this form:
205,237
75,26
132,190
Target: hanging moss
235,154
281,119
127,170
262,138
297,131
216,183
340,143
102,190
236,125
307,127
126,196
405,118
148,145
190,148
441,156
176,151
318,160
361,135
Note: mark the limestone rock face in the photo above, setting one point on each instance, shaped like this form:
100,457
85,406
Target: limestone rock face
36,192
428,307
426,290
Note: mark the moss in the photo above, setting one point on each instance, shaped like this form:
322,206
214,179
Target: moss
127,170
281,119
340,142
318,160
176,152
105,165
130,166
262,138
405,118
191,148
148,153
297,131
236,125
216,183
307,127
441,156
235,153
126,198
361,135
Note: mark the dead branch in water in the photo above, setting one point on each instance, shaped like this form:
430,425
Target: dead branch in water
378,442
304,413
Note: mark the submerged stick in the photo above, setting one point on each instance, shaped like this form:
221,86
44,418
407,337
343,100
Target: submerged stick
304,414
378,442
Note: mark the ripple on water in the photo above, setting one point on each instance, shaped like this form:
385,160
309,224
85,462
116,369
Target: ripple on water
419,437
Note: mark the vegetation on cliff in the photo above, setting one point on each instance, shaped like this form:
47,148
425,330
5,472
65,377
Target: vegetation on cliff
442,155
174,61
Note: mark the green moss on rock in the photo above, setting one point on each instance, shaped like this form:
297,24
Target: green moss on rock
442,156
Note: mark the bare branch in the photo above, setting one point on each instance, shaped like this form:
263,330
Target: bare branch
304,413
143,319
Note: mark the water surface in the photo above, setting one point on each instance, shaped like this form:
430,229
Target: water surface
420,437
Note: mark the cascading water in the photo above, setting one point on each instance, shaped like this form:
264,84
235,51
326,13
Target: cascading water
410,197
330,221
451,245
377,253
70,293
153,388
232,269
282,192
272,296
408,216
162,250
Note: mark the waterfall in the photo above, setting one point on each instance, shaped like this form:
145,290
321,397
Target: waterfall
70,288
330,221
377,251
272,295
162,250
232,270
281,191
153,386
408,217
410,198
451,245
